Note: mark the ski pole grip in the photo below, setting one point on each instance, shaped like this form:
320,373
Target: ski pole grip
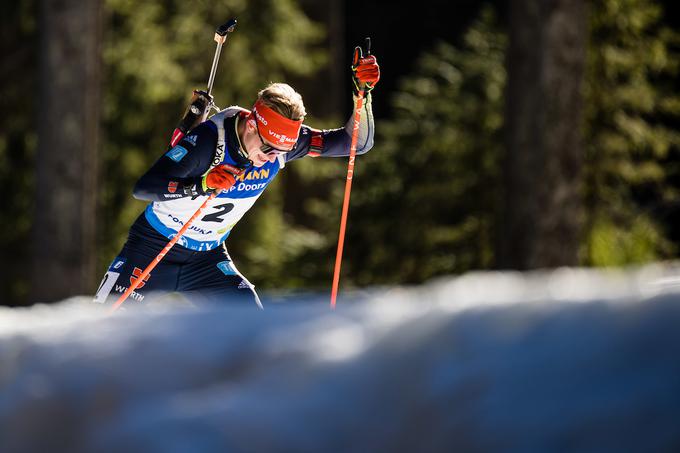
224,29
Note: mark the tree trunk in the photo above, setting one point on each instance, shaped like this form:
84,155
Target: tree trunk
542,213
329,98
68,140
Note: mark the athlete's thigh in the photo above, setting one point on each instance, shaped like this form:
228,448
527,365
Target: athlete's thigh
124,271
212,277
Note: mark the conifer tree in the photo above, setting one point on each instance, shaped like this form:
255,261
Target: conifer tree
632,115
426,196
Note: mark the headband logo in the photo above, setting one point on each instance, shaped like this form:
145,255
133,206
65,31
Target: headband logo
260,117
281,138
276,126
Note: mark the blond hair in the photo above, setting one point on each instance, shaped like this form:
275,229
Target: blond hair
283,99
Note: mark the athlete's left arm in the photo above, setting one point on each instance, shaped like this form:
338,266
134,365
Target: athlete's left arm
336,142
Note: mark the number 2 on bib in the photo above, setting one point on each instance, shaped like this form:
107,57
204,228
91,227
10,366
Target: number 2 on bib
222,209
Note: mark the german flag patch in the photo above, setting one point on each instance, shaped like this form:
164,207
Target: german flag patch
316,144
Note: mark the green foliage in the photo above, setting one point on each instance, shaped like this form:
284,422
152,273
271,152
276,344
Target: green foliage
424,198
632,110
611,245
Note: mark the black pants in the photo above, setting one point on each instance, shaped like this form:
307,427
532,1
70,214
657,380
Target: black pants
202,277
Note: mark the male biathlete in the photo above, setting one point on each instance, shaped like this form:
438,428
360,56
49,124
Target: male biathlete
239,152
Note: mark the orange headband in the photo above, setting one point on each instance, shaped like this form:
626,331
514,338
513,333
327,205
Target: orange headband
276,128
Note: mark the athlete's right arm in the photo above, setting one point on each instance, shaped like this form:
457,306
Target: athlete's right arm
178,172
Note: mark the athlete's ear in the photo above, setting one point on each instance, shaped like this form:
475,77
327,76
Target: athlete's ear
251,124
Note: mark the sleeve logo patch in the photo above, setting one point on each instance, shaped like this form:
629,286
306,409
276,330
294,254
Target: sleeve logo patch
191,139
117,264
226,268
177,153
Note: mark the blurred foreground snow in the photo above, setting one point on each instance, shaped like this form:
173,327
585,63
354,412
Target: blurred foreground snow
570,360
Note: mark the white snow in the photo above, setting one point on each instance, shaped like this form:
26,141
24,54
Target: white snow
567,360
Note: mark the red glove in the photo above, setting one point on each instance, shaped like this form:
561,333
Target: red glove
365,71
221,177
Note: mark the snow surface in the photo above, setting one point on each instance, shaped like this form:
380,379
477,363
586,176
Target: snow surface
568,360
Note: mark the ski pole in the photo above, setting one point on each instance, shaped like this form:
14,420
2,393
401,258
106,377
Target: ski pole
202,101
220,38
160,256
348,187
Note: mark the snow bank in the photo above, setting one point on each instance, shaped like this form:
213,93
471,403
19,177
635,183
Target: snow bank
570,360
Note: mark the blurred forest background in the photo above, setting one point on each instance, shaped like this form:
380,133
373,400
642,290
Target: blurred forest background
516,134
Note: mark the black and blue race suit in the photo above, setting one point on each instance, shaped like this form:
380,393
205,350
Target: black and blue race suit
199,265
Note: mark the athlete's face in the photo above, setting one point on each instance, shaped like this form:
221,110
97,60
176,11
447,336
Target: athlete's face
259,150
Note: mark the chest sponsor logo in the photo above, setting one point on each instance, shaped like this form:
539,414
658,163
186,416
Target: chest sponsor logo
177,153
194,228
254,175
172,186
252,180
